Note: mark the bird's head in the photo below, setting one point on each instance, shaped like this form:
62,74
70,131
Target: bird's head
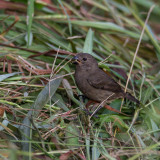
85,61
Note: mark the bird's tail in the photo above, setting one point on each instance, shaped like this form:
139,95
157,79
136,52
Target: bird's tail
132,98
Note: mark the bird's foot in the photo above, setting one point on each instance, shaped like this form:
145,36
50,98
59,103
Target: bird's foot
87,111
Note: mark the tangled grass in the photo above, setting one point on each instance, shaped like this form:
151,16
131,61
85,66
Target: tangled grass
42,116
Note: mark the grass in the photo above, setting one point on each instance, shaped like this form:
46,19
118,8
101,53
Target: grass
42,116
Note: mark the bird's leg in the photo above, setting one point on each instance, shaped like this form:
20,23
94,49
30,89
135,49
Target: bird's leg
83,97
86,110
87,106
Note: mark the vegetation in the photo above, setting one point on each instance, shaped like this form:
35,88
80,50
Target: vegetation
41,114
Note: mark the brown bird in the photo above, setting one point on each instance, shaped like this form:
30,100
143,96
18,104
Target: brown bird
94,83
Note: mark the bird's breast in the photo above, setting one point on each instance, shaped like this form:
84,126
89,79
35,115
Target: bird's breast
81,81
88,90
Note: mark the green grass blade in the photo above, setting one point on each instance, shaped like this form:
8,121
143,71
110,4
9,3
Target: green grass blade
30,14
88,45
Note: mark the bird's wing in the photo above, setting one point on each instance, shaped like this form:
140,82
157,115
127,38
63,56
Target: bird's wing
102,81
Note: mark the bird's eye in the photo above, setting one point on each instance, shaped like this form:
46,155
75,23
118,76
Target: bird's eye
84,59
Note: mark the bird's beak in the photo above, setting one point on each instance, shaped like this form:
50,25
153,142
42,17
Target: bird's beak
75,60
